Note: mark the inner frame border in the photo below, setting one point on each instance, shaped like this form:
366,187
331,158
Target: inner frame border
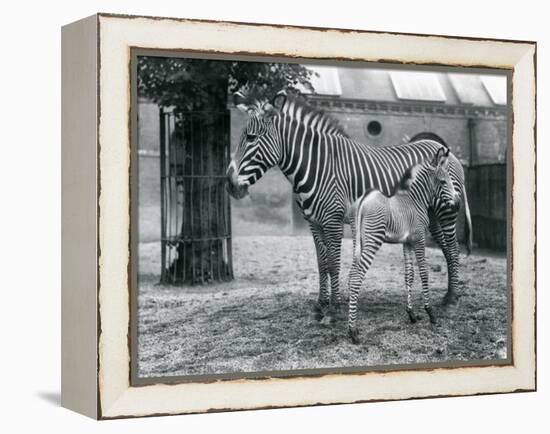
136,381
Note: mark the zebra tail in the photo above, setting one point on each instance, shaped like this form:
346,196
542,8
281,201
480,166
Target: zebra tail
358,224
467,223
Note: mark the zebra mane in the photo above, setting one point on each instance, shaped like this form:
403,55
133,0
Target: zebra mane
327,123
408,178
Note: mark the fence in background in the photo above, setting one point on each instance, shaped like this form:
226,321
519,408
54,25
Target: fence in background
488,204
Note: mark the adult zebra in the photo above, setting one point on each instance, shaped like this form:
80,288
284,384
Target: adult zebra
328,172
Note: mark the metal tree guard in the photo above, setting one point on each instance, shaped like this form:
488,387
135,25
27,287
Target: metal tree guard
195,207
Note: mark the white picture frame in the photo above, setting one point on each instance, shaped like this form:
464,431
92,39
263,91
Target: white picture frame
96,160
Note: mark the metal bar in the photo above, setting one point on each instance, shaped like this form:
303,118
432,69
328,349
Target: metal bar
192,226
223,219
212,246
201,198
471,138
211,139
218,244
220,201
162,198
215,232
169,185
183,177
228,208
172,266
177,239
185,196
175,194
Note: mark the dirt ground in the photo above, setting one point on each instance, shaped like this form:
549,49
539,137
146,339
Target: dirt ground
264,320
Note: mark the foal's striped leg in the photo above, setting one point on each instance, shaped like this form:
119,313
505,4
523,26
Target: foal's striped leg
409,278
370,244
420,252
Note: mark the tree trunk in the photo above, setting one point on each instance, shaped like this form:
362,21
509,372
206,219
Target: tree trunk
200,203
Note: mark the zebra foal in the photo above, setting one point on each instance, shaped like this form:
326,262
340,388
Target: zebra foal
401,218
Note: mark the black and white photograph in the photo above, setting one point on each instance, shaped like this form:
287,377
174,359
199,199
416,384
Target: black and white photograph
300,218
234,217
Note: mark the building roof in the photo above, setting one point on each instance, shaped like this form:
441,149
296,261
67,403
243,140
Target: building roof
392,85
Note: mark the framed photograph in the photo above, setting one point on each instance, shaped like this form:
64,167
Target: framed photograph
260,216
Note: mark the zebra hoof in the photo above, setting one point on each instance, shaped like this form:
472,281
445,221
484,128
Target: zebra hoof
338,313
354,336
319,306
320,310
412,316
449,299
431,315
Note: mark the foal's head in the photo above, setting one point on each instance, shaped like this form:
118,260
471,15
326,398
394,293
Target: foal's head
431,182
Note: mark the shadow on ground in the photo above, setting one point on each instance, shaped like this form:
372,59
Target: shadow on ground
52,398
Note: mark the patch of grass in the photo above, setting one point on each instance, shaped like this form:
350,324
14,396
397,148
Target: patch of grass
264,321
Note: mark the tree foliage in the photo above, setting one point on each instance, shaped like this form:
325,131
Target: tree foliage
203,84
199,145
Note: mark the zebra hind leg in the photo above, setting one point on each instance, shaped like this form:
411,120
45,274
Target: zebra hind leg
357,274
420,252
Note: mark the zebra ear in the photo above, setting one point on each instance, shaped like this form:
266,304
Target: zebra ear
268,109
239,102
279,100
443,159
437,157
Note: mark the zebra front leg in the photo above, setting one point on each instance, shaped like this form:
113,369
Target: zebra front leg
333,238
443,229
452,264
420,252
409,278
449,247
437,233
322,306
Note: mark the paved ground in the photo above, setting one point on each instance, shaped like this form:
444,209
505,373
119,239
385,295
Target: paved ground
264,320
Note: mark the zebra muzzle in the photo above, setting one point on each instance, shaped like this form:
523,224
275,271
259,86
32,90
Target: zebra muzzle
233,187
